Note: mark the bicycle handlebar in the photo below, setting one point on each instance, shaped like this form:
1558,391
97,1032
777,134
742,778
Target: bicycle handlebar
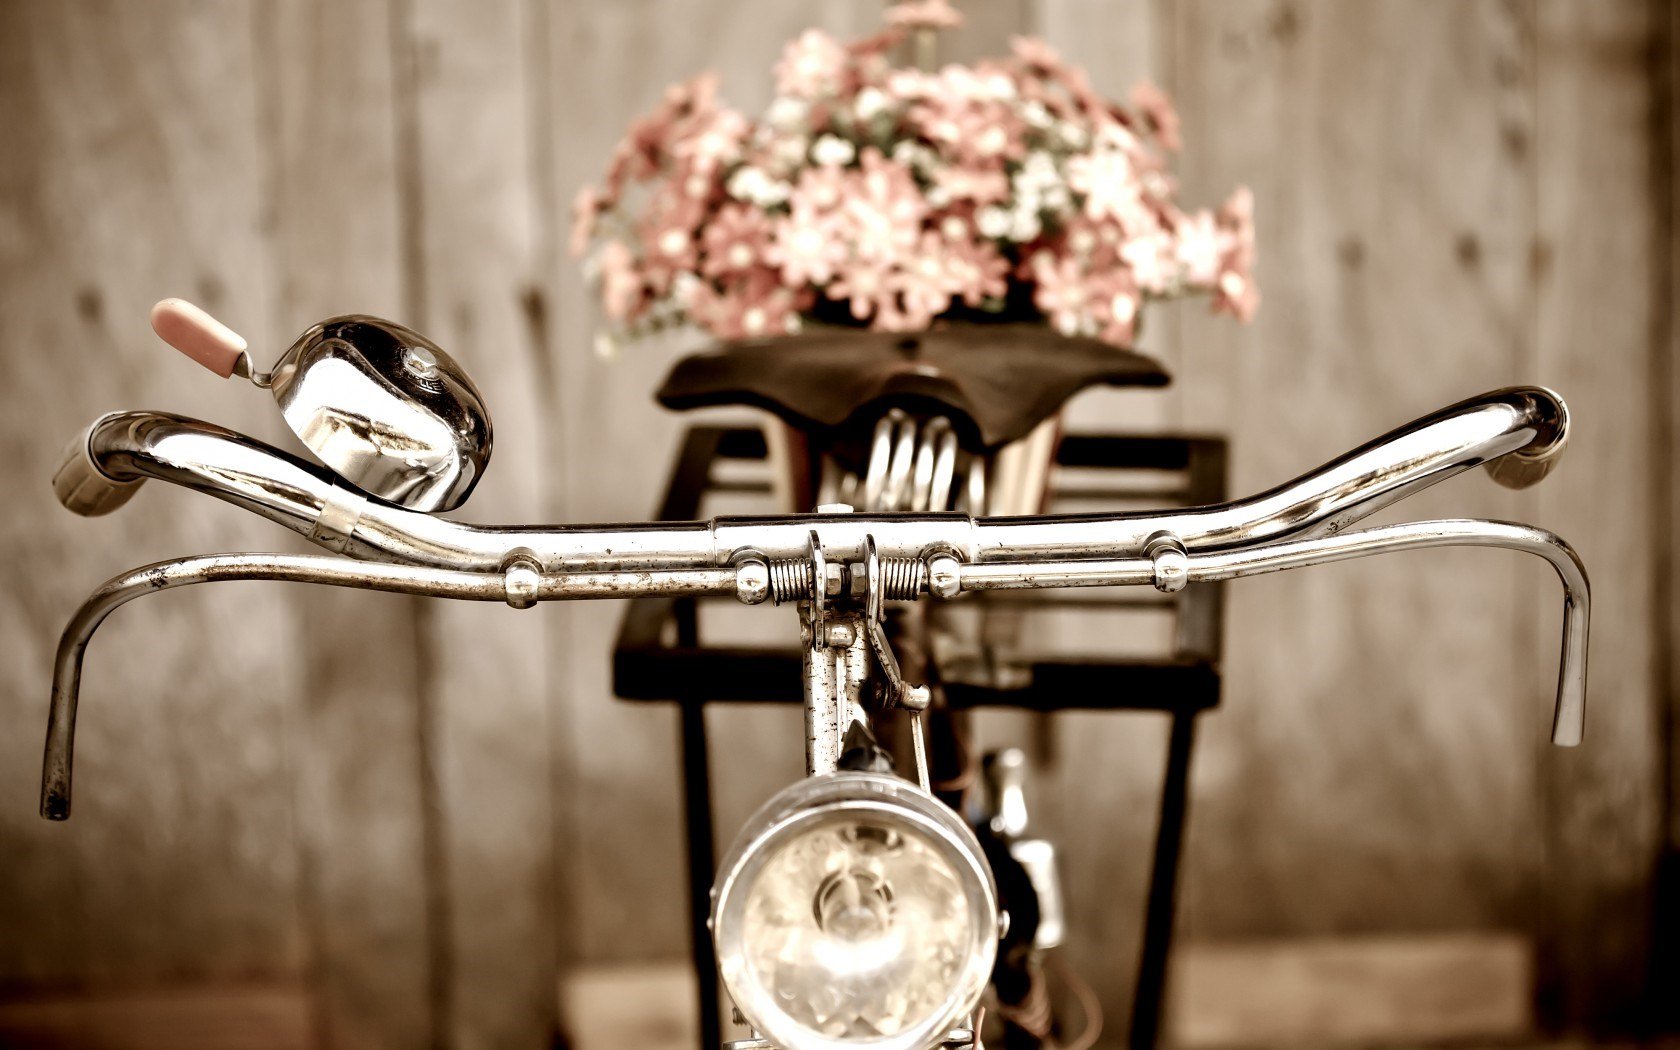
755,558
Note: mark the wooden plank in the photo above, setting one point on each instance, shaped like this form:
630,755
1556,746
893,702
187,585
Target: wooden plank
131,173
1389,146
339,247
485,242
1594,286
1393,990
1098,784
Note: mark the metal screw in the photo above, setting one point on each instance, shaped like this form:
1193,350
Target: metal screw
420,362
840,635
916,697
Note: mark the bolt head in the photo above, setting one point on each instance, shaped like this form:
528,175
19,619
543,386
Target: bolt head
917,697
840,635
522,581
1172,570
752,582
944,576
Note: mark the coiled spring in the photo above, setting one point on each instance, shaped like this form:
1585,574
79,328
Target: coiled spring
902,579
793,580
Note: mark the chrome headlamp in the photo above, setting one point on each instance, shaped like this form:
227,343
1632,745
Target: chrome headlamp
855,910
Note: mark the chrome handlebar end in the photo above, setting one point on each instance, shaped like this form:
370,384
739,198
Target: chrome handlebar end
1531,463
79,483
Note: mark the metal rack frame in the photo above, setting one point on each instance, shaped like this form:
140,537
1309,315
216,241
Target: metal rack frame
658,657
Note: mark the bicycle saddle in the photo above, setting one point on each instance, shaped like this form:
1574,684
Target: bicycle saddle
997,382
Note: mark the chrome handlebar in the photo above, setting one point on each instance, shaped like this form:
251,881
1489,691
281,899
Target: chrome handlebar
1517,433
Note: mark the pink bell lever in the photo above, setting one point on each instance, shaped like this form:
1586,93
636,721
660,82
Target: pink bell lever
211,343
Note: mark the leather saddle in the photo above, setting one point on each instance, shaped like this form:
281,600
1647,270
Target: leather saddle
995,382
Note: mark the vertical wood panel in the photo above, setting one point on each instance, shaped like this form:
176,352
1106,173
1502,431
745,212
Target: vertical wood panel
1594,284
480,233
131,172
1374,764
1099,792
337,184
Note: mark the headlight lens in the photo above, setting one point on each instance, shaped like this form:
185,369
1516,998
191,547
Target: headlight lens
855,910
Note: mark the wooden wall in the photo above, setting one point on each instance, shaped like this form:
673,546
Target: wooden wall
413,812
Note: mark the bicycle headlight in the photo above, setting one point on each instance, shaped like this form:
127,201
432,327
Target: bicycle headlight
855,910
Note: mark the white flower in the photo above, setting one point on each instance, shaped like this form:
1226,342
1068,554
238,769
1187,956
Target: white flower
745,183
788,113
1024,225
833,151
673,241
1036,113
914,155
1039,171
683,287
790,151
938,196
606,347
991,142
999,86
870,103
993,222
953,227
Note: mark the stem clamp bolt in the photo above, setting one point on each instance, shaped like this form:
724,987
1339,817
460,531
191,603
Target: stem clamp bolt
522,579
1170,563
752,581
944,576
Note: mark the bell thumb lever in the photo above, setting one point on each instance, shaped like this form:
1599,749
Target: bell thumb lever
191,330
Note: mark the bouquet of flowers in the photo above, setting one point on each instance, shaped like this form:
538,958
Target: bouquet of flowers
882,196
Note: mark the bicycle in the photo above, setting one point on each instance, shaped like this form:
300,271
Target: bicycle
855,908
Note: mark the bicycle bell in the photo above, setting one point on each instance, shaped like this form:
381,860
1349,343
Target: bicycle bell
381,405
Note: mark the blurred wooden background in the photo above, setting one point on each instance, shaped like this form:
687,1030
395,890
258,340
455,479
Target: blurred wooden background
403,817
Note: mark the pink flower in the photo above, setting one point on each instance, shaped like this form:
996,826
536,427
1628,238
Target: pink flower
980,186
1198,249
1114,303
1109,181
736,239
924,14
751,305
978,270
1061,290
926,282
1149,258
1158,112
621,286
715,141
1234,289
812,65
884,207
586,209
870,286
970,114
809,245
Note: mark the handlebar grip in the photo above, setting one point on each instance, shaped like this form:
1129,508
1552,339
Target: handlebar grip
81,486
1528,465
